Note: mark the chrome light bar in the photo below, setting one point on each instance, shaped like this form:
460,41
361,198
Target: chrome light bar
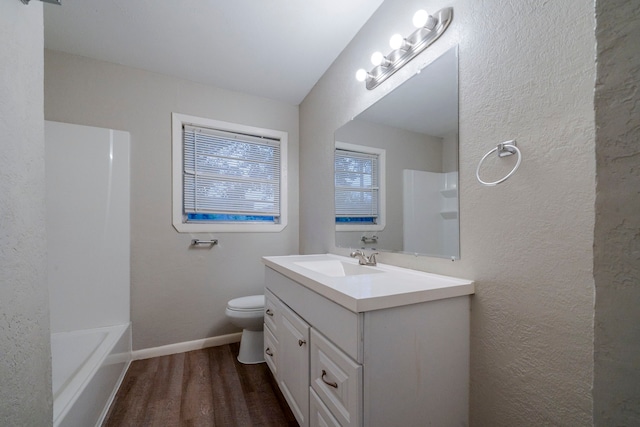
430,30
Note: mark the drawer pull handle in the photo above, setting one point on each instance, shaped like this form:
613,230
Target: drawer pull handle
330,384
269,352
301,342
269,312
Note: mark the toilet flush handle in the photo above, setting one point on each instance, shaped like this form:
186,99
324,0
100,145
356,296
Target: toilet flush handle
301,342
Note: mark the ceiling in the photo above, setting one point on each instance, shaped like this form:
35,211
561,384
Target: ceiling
276,49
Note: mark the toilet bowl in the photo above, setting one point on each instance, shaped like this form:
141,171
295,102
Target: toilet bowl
247,313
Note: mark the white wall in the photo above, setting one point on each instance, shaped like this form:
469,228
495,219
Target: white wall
25,354
616,387
178,293
527,71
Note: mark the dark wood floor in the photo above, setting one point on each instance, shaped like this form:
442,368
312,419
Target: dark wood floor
206,387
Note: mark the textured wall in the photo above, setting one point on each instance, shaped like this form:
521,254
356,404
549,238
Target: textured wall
177,293
527,71
616,386
25,354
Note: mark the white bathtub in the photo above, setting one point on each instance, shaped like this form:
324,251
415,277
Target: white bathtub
88,367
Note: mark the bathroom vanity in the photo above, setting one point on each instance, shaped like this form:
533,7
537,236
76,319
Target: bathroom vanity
353,345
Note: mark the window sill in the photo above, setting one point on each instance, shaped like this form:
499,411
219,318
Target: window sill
353,227
228,228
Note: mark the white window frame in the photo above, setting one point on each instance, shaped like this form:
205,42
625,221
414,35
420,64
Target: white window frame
177,122
382,199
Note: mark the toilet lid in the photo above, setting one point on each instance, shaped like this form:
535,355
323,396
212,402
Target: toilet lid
253,302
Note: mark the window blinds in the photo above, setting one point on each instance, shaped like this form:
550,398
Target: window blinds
230,174
356,184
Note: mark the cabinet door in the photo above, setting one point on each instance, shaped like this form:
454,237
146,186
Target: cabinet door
293,363
319,414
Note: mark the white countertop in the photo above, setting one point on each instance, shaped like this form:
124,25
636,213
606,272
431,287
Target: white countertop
391,287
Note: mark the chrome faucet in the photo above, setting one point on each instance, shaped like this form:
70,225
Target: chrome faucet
364,259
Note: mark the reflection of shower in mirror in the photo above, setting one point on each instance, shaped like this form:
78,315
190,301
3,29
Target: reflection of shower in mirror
430,212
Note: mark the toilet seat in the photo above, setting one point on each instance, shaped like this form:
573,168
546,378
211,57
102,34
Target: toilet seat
250,303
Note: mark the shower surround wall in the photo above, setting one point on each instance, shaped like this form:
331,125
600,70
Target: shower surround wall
87,226
527,71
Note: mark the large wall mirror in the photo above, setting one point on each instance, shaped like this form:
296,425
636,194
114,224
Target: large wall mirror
396,168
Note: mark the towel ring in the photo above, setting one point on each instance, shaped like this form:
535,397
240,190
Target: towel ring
504,149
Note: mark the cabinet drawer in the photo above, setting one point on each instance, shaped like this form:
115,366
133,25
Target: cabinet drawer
319,415
272,311
270,350
337,380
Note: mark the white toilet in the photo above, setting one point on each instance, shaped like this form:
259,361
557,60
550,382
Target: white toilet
247,313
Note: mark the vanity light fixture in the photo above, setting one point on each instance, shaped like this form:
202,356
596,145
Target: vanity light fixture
430,28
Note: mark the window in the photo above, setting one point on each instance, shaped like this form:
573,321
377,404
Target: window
228,177
359,187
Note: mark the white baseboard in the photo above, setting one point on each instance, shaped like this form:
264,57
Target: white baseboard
182,347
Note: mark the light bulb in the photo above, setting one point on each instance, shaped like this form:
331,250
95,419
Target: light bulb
377,58
396,41
361,75
422,19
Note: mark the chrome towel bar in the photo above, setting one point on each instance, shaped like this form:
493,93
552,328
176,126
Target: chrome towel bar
372,239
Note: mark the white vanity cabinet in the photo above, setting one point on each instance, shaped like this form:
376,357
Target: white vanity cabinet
403,363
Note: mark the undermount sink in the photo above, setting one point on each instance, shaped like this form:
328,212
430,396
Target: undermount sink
337,268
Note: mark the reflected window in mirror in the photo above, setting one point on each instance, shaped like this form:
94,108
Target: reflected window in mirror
359,187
